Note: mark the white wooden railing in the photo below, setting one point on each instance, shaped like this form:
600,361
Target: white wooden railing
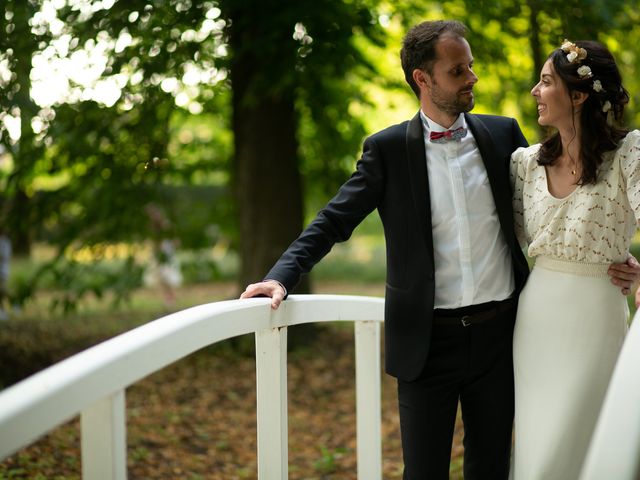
614,452
92,383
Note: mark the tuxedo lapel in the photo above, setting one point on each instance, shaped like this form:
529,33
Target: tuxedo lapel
419,179
496,171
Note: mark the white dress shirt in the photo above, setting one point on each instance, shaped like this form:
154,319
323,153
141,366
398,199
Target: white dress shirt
472,260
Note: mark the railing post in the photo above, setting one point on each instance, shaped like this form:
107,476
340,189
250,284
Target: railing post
369,438
271,388
104,439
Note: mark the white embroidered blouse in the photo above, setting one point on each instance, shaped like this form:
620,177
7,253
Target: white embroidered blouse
594,223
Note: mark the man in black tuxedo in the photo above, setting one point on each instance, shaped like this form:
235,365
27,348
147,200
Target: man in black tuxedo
440,183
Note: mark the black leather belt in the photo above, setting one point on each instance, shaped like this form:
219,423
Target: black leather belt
450,317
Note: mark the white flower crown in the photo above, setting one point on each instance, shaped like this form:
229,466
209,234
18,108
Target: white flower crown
576,54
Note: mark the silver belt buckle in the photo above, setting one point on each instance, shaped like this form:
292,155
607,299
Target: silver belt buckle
466,320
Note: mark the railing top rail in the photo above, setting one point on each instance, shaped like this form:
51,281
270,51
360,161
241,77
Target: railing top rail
60,392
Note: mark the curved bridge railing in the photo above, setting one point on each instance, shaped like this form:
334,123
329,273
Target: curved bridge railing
92,383
614,451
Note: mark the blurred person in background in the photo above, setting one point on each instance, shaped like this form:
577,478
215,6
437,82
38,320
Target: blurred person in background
164,269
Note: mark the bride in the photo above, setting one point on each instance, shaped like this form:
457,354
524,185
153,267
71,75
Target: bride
577,204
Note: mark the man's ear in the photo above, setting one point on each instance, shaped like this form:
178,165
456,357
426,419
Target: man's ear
578,98
422,78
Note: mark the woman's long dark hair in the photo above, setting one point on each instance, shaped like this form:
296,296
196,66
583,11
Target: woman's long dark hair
597,135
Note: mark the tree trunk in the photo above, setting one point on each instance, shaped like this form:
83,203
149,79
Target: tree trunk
267,177
268,184
21,215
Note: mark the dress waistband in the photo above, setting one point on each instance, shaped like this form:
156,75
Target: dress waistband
584,269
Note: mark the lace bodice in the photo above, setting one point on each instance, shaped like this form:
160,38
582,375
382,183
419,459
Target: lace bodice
594,223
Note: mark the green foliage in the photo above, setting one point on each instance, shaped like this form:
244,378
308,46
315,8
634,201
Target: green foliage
107,171
200,270
77,280
511,39
334,70
74,281
200,215
83,170
361,259
328,461
104,163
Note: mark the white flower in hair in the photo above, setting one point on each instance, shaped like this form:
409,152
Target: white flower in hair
606,106
574,52
566,45
584,71
597,86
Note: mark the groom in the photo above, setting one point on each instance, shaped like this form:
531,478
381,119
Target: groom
440,183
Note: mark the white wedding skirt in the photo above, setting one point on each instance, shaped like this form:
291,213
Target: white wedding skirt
569,330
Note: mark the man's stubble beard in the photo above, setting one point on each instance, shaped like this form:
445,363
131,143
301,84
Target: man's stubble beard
451,106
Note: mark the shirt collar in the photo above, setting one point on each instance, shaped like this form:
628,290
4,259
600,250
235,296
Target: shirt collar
429,125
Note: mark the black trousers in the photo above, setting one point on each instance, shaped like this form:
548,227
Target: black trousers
472,365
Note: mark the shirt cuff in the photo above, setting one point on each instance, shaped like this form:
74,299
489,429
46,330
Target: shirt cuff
272,280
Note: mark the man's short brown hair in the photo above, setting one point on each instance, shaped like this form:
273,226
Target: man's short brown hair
419,46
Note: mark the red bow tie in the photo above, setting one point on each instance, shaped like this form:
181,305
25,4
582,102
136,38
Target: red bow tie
447,135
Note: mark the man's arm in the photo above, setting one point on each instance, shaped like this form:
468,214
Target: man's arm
355,199
626,275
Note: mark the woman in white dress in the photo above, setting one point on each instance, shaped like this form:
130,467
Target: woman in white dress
577,204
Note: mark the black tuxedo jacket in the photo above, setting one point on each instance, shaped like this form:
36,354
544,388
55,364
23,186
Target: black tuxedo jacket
391,176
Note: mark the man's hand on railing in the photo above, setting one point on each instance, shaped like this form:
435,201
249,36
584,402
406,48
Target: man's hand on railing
268,288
